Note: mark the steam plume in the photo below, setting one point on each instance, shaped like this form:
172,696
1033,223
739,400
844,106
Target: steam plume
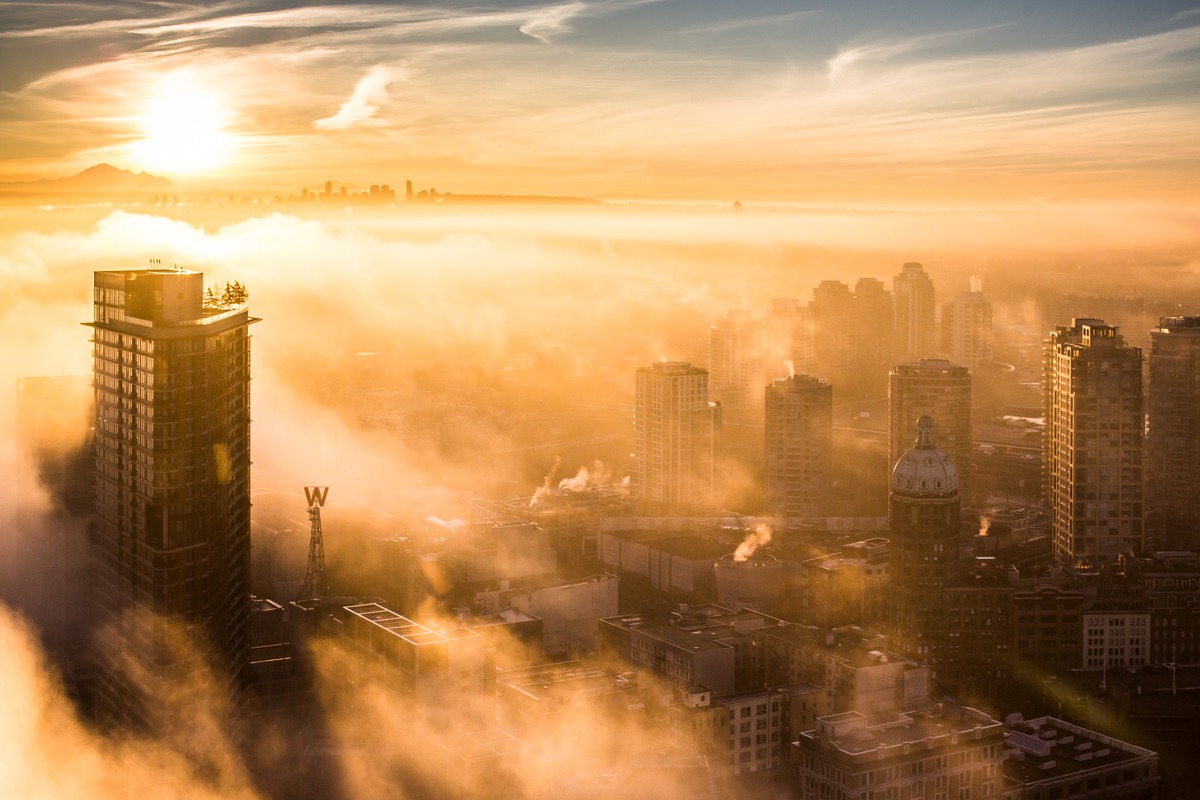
757,538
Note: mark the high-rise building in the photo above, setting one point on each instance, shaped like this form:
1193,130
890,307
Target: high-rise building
171,530
914,335
1092,399
676,439
967,329
799,446
787,330
1173,438
873,315
923,516
851,336
736,366
942,390
831,312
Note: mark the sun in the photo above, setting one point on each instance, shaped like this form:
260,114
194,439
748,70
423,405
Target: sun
184,127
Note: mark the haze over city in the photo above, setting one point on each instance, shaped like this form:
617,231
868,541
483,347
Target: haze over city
470,252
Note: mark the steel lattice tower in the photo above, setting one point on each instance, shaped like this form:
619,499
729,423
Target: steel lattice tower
314,579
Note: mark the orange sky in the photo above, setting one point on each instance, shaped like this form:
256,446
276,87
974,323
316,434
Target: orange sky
933,103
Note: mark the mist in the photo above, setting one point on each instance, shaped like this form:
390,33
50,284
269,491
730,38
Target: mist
473,351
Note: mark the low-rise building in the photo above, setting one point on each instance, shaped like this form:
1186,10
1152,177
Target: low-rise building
1048,759
947,752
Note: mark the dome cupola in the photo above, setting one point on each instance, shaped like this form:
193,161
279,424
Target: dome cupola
925,471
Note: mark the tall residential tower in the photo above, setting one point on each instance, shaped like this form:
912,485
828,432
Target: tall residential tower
171,531
676,439
1092,396
1173,438
914,337
799,446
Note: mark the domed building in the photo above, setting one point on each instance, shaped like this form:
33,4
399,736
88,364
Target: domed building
923,510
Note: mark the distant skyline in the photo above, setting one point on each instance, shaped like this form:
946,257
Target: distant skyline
935,103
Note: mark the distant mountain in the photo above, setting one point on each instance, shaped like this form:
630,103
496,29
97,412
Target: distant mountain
103,182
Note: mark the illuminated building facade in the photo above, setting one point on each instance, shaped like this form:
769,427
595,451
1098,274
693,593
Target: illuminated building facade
171,530
1092,396
676,439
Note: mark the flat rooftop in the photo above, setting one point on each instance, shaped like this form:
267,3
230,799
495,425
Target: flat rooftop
1050,748
404,628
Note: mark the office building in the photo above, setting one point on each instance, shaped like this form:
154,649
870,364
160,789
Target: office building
1173,437
799,446
737,366
941,390
676,439
171,530
1092,398
967,329
914,334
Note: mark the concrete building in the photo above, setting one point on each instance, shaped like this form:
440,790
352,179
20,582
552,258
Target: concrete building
942,390
547,701
799,446
737,366
1092,396
697,644
835,583
924,513
854,665
946,752
873,323
171,530
915,313
1048,758
851,336
1173,437
1116,638
833,353
568,609
788,333
967,329
428,664
679,566
676,440
750,731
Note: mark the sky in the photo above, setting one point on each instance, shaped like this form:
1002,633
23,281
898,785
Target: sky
922,103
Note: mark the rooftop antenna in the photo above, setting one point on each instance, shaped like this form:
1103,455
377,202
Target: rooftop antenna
314,586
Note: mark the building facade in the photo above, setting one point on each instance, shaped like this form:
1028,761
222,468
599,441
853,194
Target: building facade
1093,447
914,335
1173,437
171,529
943,753
967,329
737,366
676,440
941,390
799,446
788,333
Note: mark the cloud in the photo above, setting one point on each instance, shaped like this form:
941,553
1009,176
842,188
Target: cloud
369,94
51,755
548,23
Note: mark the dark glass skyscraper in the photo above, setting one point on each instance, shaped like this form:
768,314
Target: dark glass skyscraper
171,534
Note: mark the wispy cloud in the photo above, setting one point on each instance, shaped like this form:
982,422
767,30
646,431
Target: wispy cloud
369,94
548,23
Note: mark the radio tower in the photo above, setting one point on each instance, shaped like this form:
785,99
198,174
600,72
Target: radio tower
314,580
